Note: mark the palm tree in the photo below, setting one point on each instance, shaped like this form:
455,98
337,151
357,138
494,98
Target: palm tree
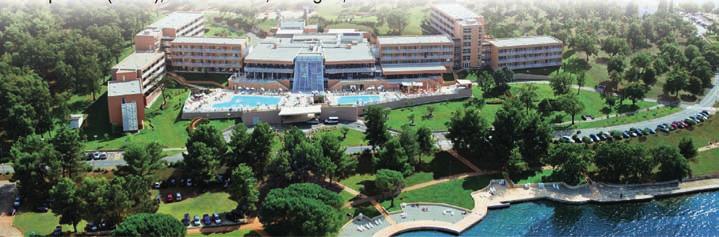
527,95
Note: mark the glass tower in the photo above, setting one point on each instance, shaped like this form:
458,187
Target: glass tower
309,73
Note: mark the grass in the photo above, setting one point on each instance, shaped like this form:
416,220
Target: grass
354,137
161,125
213,77
593,105
706,163
701,134
535,177
438,166
41,223
455,192
637,117
205,203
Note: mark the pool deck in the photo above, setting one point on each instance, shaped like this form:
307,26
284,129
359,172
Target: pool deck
500,195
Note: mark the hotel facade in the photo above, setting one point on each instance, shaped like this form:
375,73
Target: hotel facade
298,58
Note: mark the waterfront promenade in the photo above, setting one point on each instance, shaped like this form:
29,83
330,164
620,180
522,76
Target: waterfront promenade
499,194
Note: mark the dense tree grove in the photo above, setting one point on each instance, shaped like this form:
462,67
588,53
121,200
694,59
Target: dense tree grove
301,209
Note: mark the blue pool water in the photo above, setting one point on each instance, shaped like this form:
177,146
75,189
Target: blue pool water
357,99
692,215
244,101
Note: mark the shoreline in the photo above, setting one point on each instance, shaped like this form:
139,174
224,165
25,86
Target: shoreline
499,195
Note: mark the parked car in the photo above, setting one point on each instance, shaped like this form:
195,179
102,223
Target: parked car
17,202
103,155
188,182
313,121
332,120
186,219
96,155
706,113
594,138
91,227
690,122
57,231
626,135
216,218
587,140
169,198
650,131
178,197
156,185
89,156
172,181
576,139
206,220
196,220
43,207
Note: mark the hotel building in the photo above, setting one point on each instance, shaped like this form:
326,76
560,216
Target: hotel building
407,57
159,34
526,52
466,29
206,55
126,104
149,68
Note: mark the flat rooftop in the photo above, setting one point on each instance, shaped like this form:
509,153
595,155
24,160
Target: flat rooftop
286,53
404,68
120,88
455,10
208,40
138,61
176,20
292,24
524,41
419,39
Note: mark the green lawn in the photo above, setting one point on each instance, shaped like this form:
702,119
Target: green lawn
354,137
213,77
593,105
640,116
536,177
455,192
706,163
163,126
442,164
206,203
41,223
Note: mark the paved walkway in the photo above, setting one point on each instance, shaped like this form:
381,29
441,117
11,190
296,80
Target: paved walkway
464,161
7,195
255,226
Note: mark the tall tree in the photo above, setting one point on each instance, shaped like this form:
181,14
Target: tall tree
571,105
239,146
375,120
37,167
672,165
301,209
243,189
561,82
392,156
615,45
469,132
527,94
334,151
585,43
536,139
142,160
260,148
676,81
634,92
408,140
66,202
687,148
509,123
389,181
68,145
570,161
623,162
700,68
425,140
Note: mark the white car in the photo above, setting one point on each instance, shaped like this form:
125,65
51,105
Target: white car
188,183
178,197
332,120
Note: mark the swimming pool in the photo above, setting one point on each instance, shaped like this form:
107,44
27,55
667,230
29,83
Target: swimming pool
247,101
357,99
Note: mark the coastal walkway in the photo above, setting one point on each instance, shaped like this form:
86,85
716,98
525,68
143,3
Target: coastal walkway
500,194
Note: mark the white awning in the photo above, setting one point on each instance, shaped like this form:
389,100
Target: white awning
289,111
464,82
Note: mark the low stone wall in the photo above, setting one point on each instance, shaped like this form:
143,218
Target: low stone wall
211,115
409,102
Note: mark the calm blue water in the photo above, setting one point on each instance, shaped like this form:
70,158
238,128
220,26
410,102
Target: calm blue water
357,99
693,215
239,101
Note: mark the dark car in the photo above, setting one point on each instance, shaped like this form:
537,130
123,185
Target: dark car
625,135
103,155
42,207
206,220
186,219
17,202
216,218
594,138
576,139
172,181
169,197
57,231
91,227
